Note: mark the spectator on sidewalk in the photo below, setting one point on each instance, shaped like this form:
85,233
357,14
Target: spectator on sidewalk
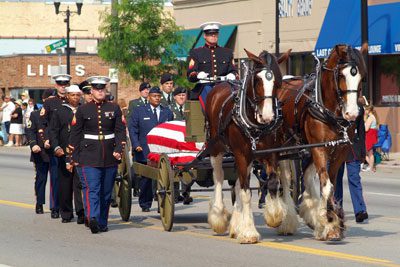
7,107
16,125
371,136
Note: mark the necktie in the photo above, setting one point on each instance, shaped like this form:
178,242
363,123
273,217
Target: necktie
169,99
155,114
145,101
181,110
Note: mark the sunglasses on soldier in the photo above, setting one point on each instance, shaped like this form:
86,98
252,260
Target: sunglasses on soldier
98,86
62,82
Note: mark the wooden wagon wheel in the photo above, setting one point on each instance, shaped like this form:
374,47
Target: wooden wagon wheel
124,196
165,192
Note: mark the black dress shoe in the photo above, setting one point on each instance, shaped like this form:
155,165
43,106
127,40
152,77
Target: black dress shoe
66,220
86,222
94,226
187,200
361,216
145,210
55,214
39,209
103,229
114,203
81,219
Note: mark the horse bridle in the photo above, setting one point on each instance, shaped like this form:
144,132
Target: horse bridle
268,75
336,72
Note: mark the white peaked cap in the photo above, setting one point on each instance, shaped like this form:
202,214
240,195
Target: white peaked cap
61,77
73,89
212,25
98,80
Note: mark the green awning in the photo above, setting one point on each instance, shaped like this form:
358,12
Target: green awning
225,33
190,37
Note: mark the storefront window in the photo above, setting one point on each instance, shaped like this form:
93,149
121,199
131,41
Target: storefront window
301,64
386,75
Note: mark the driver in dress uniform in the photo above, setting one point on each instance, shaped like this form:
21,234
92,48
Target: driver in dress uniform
96,143
209,62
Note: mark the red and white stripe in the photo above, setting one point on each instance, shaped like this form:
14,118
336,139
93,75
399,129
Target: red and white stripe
169,138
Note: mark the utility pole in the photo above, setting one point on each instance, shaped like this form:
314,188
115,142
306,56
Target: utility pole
277,28
68,14
364,39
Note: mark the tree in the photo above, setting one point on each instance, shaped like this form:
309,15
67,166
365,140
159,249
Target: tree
139,38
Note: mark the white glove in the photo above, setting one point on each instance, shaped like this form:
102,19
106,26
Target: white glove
231,77
202,75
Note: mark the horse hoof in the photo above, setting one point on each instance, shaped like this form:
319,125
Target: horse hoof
334,236
273,221
248,240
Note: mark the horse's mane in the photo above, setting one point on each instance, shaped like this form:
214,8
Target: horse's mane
351,55
274,66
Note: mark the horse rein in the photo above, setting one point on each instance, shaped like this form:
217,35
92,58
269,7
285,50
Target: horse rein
336,72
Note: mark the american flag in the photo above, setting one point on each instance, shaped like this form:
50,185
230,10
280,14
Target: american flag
169,138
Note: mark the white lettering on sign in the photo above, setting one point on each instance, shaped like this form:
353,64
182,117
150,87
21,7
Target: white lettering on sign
323,52
397,47
285,8
40,70
391,98
304,8
29,70
79,70
375,49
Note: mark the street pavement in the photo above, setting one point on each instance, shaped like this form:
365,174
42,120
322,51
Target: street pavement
27,239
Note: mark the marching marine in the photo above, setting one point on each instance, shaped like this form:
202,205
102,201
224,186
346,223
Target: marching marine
96,143
39,155
46,112
60,128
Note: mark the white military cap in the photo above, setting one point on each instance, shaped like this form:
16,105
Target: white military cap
212,26
98,80
73,89
61,77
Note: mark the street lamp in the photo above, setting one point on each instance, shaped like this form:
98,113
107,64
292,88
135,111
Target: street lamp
68,13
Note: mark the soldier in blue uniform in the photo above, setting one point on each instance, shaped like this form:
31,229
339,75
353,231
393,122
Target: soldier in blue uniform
46,112
96,143
144,89
140,124
141,101
209,62
167,86
39,155
70,186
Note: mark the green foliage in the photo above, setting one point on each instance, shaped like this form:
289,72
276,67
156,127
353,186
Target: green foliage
139,38
391,66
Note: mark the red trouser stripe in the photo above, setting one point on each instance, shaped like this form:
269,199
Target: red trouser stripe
87,194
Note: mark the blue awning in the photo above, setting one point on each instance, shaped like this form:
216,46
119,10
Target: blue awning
225,33
342,25
190,37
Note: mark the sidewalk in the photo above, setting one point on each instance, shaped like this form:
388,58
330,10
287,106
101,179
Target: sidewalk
394,161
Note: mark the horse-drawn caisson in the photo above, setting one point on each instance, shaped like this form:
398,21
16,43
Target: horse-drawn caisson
272,120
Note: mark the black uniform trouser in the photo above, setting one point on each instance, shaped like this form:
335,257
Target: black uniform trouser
42,170
70,187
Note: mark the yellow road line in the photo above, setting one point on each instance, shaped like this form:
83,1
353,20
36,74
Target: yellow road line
18,204
273,245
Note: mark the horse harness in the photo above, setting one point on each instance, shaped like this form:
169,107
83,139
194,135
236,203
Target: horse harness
253,131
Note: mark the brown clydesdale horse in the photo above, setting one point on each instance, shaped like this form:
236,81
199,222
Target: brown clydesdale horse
341,77
263,80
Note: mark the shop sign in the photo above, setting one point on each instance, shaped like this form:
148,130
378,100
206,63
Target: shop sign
33,71
304,8
54,46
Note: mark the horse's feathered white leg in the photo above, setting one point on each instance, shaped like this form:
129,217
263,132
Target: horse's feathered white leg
290,222
247,232
236,214
309,206
218,216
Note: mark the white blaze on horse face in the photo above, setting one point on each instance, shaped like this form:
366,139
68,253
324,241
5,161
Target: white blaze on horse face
350,111
266,114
